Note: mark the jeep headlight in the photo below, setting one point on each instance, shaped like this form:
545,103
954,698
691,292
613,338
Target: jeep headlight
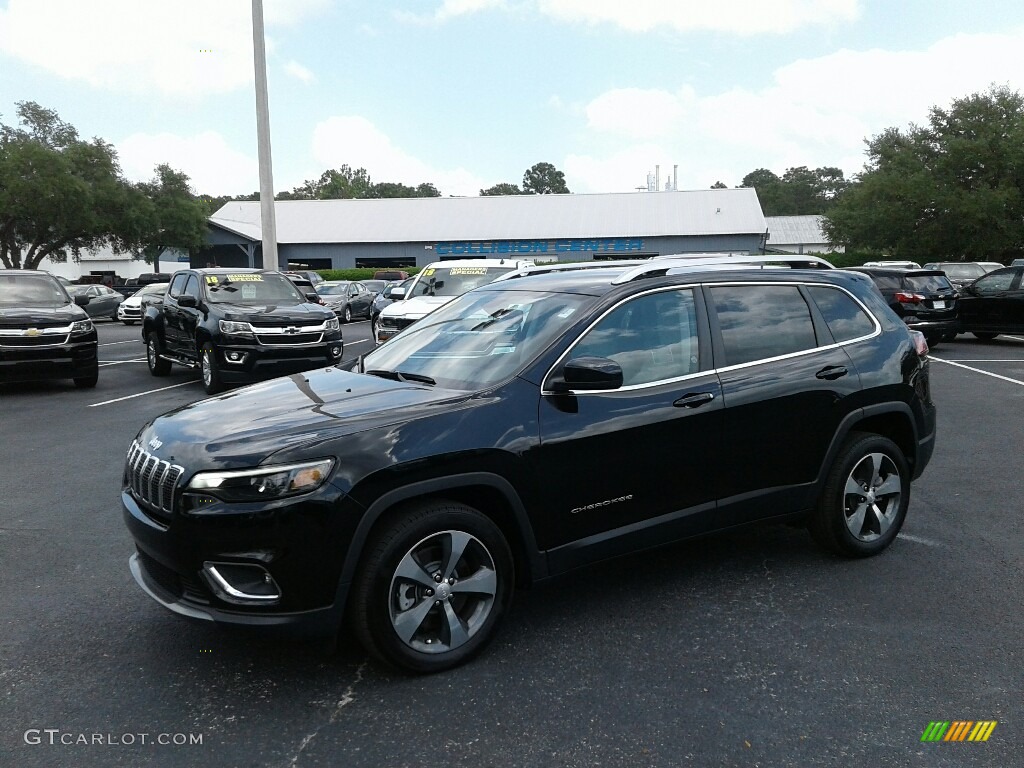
263,483
236,329
333,324
81,326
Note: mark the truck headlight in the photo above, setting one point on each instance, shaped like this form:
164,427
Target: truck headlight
333,324
259,483
236,329
81,326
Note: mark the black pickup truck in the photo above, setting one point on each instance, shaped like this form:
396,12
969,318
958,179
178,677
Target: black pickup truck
238,326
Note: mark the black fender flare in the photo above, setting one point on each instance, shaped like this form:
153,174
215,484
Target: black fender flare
848,425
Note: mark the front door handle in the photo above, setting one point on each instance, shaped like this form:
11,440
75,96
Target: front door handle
694,400
831,372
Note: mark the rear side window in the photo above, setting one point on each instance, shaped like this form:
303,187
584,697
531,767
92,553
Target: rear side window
842,314
762,321
887,282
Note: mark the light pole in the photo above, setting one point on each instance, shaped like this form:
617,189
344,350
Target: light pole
269,222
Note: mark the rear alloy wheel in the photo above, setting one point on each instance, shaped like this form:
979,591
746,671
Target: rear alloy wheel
984,335
157,365
433,588
865,499
212,381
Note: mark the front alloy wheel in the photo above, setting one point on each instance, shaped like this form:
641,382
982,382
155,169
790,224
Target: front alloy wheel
211,372
433,587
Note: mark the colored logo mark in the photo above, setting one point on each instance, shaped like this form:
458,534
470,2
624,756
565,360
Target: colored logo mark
959,730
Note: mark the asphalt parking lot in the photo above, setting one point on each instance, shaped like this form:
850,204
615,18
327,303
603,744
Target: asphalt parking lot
752,649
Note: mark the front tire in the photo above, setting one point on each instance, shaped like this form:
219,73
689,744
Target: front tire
984,335
433,587
88,381
865,498
128,322
157,365
212,381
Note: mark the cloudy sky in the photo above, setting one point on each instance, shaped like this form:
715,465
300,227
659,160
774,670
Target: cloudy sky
468,93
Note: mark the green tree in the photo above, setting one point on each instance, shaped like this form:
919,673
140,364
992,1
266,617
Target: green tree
544,179
719,185
951,189
798,191
504,188
170,214
59,195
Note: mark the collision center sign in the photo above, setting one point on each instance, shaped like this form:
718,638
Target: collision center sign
576,245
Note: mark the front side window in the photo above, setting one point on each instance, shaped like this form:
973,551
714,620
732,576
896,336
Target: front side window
652,337
192,287
996,282
762,321
178,284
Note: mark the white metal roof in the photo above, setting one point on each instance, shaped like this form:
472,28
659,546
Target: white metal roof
795,230
511,217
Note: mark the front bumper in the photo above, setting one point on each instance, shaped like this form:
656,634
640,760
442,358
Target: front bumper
300,546
243,361
128,313
72,360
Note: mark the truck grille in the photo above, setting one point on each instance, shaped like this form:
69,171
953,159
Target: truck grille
152,480
289,339
34,337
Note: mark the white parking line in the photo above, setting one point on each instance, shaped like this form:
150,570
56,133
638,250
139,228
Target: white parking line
361,341
141,394
986,360
112,343
976,370
1015,338
919,540
105,363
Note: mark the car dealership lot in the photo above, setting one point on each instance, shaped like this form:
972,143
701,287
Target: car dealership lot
747,649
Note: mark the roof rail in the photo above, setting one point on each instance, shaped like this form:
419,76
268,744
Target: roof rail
554,266
681,263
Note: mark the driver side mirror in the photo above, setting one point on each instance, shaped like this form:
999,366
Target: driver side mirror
589,373
81,299
314,298
397,294
188,301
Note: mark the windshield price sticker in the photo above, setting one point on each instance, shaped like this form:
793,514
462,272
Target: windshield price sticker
249,278
212,279
468,271
428,272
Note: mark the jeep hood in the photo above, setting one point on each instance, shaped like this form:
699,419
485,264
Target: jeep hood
244,427
417,306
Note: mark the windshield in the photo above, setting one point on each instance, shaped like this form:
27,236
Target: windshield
478,339
455,281
31,290
252,288
340,288
963,271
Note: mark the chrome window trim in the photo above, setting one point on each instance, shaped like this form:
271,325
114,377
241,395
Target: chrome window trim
726,369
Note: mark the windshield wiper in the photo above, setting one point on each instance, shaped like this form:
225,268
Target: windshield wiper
401,376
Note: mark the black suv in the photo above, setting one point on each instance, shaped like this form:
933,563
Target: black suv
924,298
529,427
44,334
238,325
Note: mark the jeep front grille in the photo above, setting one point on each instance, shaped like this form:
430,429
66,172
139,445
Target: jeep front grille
152,480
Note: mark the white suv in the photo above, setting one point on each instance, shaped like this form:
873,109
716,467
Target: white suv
435,286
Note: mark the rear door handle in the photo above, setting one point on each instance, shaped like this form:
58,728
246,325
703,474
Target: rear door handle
831,372
694,400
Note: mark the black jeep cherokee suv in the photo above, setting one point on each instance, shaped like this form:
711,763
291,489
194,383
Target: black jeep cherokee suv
532,426
44,333
237,326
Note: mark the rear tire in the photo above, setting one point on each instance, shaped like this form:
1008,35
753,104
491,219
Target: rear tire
212,381
432,587
157,365
864,502
347,315
984,336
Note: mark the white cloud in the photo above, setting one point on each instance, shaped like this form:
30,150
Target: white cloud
213,167
357,142
450,9
815,112
187,47
300,72
743,17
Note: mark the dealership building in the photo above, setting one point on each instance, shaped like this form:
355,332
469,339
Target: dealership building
412,232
